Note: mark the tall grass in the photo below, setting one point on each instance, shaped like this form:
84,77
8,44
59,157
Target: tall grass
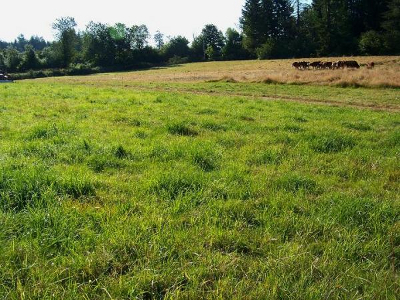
111,193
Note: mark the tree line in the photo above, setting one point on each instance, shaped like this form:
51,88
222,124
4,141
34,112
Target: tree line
289,28
268,29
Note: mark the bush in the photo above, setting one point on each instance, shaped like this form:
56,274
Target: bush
266,50
274,49
176,60
371,43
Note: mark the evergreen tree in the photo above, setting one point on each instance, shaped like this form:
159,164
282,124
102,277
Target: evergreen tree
252,25
391,25
283,13
333,27
268,27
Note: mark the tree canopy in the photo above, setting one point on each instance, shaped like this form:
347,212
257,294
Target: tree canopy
268,29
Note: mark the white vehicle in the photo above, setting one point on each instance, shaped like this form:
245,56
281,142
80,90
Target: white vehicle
4,78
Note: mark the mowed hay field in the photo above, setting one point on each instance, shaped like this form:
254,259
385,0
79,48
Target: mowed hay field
385,74
150,185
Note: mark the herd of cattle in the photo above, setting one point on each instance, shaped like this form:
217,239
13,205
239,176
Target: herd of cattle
320,65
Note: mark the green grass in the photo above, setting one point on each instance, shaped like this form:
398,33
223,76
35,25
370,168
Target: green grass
109,192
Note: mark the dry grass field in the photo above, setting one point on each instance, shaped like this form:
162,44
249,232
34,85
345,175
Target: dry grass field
385,74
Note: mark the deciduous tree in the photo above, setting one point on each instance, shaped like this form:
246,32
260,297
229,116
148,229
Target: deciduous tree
66,36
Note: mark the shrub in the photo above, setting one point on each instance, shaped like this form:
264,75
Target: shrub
177,60
371,43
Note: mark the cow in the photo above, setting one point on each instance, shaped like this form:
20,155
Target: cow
352,64
341,64
300,65
296,65
370,65
326,65
315,65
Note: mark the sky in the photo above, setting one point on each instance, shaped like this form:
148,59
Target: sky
170,17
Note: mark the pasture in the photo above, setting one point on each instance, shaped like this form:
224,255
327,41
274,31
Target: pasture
385,74
223,180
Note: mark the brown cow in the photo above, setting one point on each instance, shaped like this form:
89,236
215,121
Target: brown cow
315,65
341,64
352,64
296,65
326,65
370,65
300,65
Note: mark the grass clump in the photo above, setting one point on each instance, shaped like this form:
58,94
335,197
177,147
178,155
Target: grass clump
213,126
394,139
332,142
31,188
247,118
75,186
44,132
266,157
357,126
181,128
292,128
36,187
171,185
101,162
296,183
205,157
121,152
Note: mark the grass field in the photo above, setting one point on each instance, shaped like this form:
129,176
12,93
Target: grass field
162,185
385,74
